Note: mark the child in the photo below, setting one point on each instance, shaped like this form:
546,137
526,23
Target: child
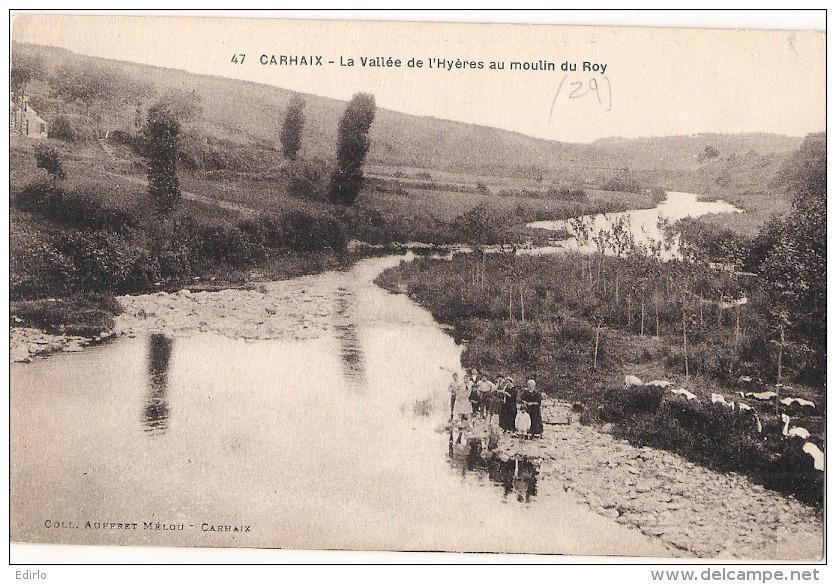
523,421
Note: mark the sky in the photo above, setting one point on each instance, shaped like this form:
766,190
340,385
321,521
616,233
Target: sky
657,81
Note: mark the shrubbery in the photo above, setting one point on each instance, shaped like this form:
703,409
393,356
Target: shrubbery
720,438
303,232
71,209
620,403
47,158
37,269
123,250
71,128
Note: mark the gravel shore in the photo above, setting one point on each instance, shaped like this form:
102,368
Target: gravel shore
695,511
28,343
277,310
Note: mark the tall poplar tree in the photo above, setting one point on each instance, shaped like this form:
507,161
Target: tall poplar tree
294,121
352,147
162,132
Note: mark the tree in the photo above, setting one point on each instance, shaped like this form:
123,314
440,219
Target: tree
47,158
162,132
294,121
352,147
709,153
794,252
25,67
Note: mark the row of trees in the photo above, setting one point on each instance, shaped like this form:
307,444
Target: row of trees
162,130
352,143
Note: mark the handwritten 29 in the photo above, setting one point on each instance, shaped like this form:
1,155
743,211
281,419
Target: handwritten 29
594,88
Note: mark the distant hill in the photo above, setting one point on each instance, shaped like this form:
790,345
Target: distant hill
251,113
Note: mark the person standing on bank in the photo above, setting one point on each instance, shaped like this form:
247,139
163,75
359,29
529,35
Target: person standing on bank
495,398
473,392
531,398
484,389
508,409
461,408
454,392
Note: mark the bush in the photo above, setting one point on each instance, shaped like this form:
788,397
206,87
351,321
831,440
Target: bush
71,128
103,260
231,246
792,471
623,182
307,233
74,209
366,225
269,229
47,158
135,141
307,179
527,346
481,225
568,194
619,404
37,269
727,440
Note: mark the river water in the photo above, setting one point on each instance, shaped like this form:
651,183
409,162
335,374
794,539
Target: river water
330,441
643,224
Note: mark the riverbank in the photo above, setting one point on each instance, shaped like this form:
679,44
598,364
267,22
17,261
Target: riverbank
695,511
27,343
284,309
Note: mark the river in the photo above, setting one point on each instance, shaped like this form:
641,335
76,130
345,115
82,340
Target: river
325,440
643,224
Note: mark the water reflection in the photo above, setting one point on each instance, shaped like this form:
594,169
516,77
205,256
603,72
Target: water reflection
352,357
155,415
516,475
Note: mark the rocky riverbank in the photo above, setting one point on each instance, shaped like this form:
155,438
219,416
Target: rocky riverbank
276,310
27,343
695,511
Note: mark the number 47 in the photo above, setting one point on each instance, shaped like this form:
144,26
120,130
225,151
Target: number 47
238,59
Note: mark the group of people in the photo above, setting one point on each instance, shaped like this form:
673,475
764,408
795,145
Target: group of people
476,396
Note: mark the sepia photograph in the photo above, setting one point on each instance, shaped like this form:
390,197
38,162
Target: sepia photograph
404,286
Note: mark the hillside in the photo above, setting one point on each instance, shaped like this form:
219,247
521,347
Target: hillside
251,114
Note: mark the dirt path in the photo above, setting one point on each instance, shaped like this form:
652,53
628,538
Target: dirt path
689,507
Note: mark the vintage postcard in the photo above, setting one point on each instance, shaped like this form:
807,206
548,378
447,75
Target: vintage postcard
413,286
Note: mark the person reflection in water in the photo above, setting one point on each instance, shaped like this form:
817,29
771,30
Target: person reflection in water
525,480
155,415
461,408
516,475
